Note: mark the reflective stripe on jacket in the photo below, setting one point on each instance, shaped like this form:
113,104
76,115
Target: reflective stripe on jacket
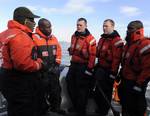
136,59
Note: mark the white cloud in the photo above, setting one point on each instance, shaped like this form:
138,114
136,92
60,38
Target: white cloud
78,6
130,10
72,6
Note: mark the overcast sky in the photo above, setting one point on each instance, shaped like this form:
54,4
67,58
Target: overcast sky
64,13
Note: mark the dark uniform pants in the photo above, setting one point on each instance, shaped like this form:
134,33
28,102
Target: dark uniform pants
78,85
23,93
105,83
53,91
133,104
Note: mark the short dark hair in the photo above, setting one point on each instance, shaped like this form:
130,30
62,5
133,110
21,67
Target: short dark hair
40,22
82,19
111,21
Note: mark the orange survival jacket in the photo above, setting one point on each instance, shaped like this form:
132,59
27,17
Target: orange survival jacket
136,58
49,48
83,49
16,46
109,52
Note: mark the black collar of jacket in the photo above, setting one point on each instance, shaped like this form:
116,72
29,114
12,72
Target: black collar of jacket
84,34
112,35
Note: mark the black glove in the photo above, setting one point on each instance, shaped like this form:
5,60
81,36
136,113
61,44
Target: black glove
54,69
69,51
100,74
89,71
45,67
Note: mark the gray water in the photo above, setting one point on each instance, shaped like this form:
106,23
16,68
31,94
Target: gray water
65,55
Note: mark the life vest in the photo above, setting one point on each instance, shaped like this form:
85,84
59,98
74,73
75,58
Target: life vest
83,49
79,47
48,48
135,59
109,52
16,48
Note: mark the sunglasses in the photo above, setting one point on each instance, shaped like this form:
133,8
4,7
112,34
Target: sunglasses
31,19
